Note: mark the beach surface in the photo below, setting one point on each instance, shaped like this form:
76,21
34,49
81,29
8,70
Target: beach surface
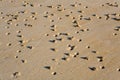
59,39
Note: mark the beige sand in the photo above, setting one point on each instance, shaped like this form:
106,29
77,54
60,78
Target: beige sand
59,40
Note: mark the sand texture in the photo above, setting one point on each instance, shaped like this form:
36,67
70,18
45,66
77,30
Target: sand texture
59,39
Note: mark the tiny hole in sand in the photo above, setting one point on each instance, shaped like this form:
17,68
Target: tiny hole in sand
118,69
54,73
85,58
9,44
47,67
29,47
92,68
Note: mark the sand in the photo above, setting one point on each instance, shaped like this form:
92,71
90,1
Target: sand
59,40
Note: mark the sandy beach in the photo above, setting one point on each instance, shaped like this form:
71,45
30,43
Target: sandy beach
59,39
